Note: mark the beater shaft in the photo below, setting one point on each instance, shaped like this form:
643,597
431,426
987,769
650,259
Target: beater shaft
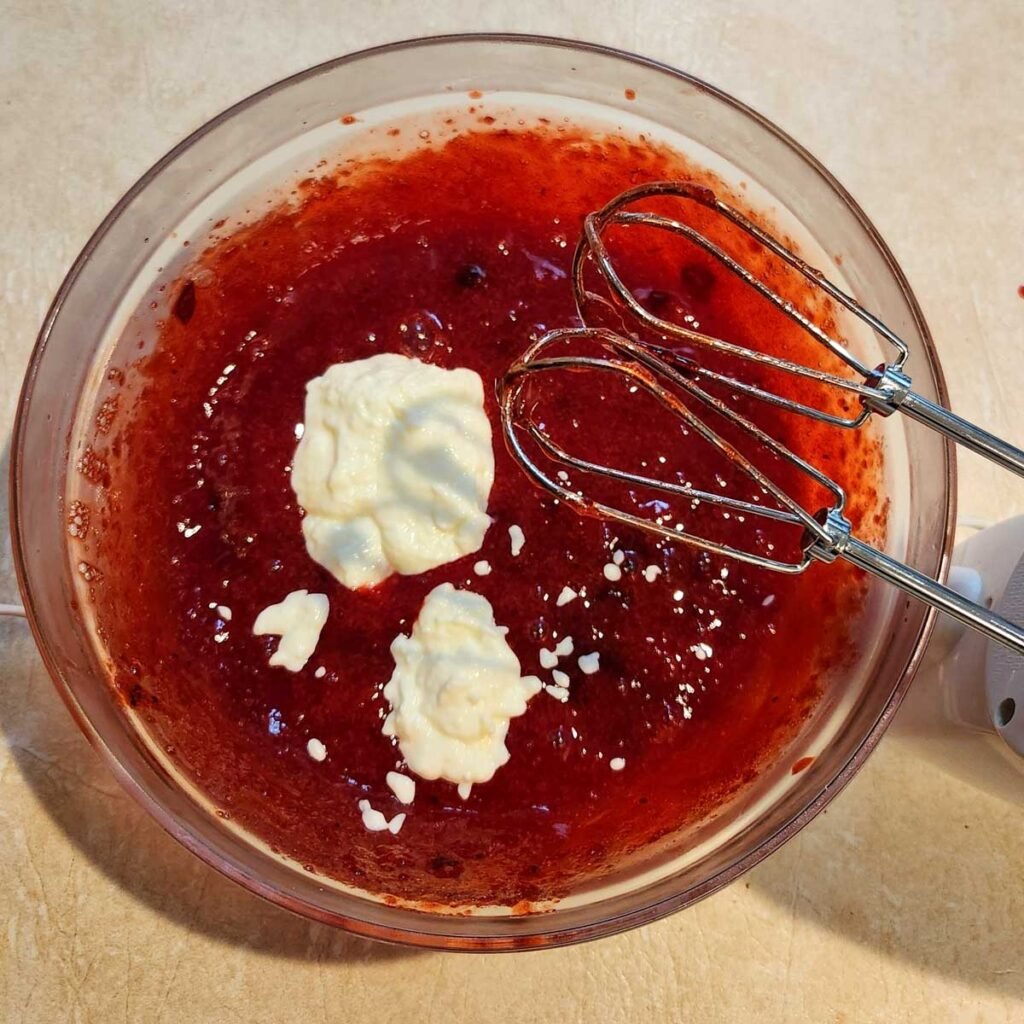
963,432
930,591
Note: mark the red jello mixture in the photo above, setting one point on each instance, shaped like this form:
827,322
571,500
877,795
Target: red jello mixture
457,254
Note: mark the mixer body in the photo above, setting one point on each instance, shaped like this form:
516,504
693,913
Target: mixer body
965,710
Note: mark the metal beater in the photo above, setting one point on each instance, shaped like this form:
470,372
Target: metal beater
680,383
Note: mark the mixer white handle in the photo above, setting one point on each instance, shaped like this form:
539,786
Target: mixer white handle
965,710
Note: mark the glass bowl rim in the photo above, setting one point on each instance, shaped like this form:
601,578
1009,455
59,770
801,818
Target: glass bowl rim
411,935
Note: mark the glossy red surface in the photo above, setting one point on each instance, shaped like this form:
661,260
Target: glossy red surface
457,254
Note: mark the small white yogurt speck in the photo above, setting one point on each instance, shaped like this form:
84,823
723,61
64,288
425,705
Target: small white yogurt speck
558,692
320,673
316,749
617,764
517,538
373,820
465,788
652,572
567,595
561,678
402,786
548,659
589,663
224,612
396,823
612,572
564,647
677,595
618,557
297,620
482,568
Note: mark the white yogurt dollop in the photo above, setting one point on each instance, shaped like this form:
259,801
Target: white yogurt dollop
455,688
394,467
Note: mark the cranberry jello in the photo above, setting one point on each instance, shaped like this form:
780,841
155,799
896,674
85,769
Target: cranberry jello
689,674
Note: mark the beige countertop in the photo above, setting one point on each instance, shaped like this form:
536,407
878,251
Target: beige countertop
903,902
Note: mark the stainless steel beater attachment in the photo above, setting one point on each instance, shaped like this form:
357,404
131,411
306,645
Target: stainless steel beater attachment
680,383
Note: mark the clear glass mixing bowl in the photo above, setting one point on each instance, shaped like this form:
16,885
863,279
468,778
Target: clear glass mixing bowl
81,331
